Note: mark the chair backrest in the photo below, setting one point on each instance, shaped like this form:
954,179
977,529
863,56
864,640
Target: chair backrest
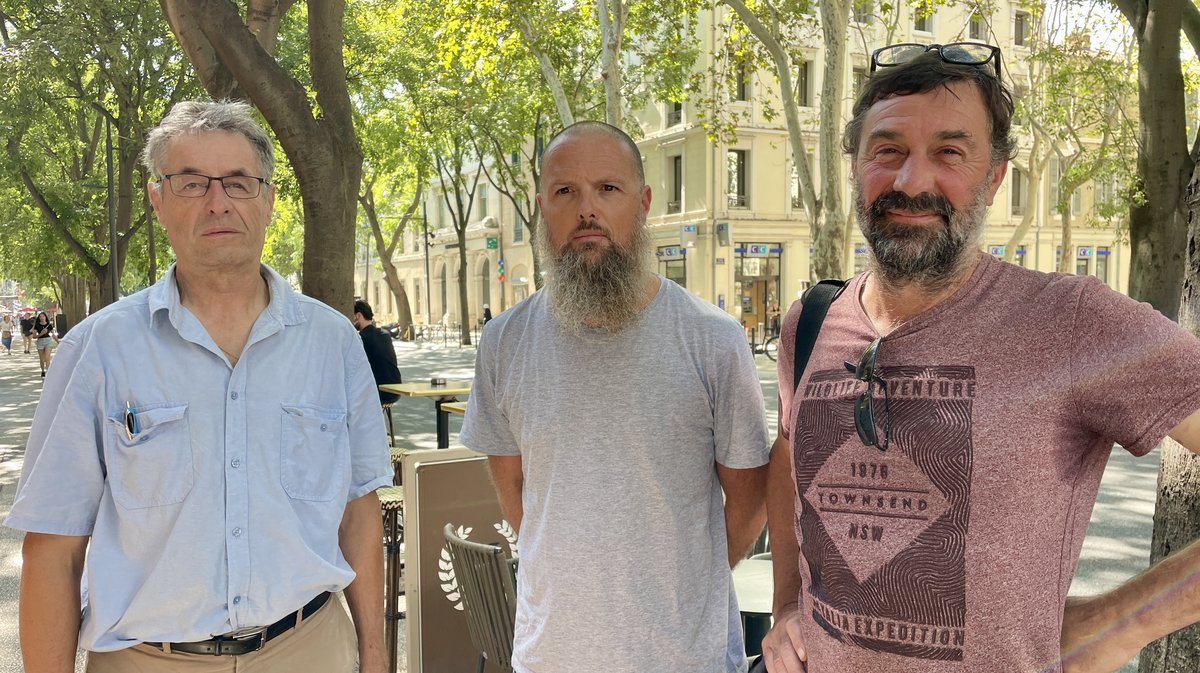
487,586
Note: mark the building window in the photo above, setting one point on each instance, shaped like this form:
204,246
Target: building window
518,229
977,29
1055,181
1081,263
862,11
1056,174
736,168
1019,189
1021,256
1104,192
675,204
674,113
1021,29
923,20
1020,92
804,85
1102,254
858,81
483,201
741,88
672,264
417,298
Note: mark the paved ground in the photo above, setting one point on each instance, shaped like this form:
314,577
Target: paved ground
1116,548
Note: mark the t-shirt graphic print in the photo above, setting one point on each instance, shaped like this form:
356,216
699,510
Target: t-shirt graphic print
884,532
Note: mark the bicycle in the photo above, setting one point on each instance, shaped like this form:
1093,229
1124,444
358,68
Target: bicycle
771,347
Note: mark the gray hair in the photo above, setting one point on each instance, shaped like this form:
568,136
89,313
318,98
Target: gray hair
192,117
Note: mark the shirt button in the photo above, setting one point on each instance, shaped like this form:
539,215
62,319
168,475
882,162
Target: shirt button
237,600
237,532
235,463
233,395
323,426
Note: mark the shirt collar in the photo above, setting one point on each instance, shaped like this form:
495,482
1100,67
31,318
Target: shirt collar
283,309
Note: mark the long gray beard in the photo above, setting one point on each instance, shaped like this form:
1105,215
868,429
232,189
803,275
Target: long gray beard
606,293
930,259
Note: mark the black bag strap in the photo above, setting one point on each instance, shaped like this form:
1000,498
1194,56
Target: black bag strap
815,304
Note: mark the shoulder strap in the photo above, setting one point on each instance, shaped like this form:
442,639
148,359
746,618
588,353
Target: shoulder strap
816,301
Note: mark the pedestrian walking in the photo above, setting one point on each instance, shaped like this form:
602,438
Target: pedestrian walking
222,441
44,337
6,334
27,330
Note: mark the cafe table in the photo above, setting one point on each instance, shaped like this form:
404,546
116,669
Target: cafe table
441,394
459,408
754,585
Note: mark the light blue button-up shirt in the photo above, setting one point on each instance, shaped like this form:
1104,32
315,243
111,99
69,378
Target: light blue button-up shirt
222,511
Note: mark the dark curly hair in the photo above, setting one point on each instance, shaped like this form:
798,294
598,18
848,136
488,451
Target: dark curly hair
925,73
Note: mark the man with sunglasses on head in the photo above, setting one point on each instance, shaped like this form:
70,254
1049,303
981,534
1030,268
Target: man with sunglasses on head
939,460
205,452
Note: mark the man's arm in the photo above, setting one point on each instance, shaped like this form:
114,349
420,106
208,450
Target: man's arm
508,479
1102,633
49,609
783,648
360,537
745,507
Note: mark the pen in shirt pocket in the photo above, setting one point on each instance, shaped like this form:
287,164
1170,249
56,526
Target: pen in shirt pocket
131,423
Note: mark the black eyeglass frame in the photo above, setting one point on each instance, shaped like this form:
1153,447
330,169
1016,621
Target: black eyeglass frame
864,407
219,178
993,55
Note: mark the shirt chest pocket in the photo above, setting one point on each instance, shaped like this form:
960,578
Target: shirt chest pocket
313,449
153,467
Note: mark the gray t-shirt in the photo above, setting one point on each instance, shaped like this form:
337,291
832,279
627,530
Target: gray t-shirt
623,549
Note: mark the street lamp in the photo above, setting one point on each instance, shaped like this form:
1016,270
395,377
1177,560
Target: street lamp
114,277
112,213
428,238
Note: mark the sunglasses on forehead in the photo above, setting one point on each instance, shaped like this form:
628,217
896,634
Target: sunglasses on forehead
960,53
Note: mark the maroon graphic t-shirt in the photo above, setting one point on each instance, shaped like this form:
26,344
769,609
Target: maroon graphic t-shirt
952,551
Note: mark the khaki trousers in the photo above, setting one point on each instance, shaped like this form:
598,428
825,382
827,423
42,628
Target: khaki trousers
324,643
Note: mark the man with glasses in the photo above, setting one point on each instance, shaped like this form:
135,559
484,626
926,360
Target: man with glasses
939,460
206,451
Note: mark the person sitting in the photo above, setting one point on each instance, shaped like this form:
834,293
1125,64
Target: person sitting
378,346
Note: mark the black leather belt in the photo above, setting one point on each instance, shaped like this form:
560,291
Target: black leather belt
223,645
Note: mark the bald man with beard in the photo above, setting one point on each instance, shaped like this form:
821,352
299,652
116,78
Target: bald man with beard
624,425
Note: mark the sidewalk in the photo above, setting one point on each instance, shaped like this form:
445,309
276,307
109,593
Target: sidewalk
1116,548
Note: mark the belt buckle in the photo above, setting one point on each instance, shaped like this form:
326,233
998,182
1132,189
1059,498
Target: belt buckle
260,634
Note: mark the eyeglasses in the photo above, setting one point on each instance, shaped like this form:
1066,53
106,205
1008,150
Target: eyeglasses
193,185
961,53
864,407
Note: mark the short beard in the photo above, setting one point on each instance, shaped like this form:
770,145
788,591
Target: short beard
583,290
919,255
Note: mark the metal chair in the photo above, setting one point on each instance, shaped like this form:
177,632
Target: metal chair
387,420
487,585
391,503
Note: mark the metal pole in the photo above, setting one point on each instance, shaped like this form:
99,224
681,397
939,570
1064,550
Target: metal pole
500,256
428,291
114,277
